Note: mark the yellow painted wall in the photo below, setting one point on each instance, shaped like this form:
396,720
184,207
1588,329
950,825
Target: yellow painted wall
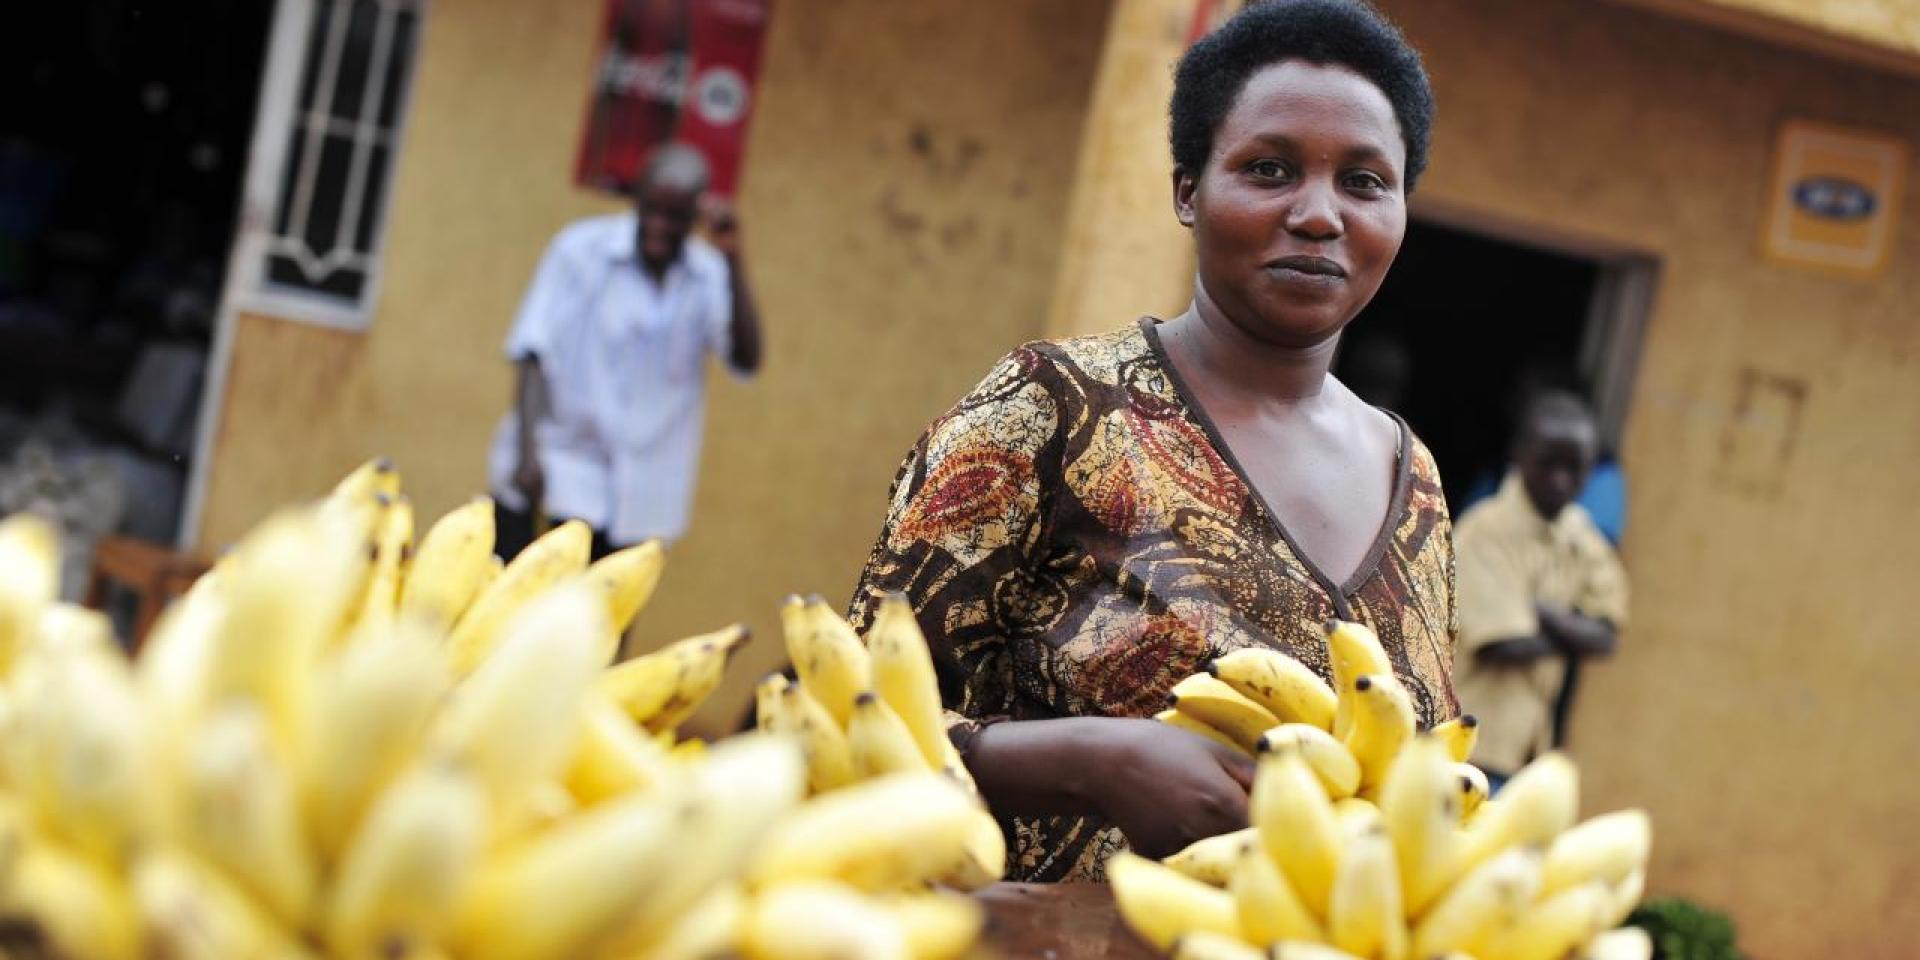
1124,254
903,205
1888,23
1760,705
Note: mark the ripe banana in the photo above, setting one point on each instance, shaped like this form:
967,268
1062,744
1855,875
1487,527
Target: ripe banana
1302,950
612,756
709,929
1268,908
1383,722
627,579
832,662
928,820
1162,905
392,550
985,862
565,892
1211,860
453,563
1605,848
1626,943
242,814
660,690
732,800
401,877
1174,718
77,743
371,704
1622,897
1330,759
514,721
829,757
558,554
1357,816
1420,805
188,911
1205,945
1549,928
1288,688
1223,708
1355,652
1297,826
903,675
769,704
1364,912
287,590
376,477
1539,803
542,806
1493,895
82,908
820,920
1460,735
1473,789
937,925
953,765
879,740
29,579
69,631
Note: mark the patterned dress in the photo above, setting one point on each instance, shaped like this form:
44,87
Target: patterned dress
1076,539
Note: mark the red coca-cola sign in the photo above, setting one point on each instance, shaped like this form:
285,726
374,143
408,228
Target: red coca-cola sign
672,70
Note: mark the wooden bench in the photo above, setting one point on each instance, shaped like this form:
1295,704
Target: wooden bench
152,573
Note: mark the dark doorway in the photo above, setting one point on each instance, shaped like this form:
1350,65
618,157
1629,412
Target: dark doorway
1463,327
124,130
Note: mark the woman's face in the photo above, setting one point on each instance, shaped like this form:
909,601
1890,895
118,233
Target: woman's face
1301,207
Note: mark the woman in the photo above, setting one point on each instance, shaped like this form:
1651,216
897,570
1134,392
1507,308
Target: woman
1102,516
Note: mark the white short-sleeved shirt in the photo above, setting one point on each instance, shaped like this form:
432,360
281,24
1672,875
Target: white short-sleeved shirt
624,358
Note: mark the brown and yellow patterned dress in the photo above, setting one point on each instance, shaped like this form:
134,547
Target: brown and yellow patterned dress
1076,539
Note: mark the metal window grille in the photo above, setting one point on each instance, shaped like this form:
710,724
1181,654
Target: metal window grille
331,198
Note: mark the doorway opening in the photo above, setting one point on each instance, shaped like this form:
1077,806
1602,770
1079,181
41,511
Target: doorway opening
122,151
1478,315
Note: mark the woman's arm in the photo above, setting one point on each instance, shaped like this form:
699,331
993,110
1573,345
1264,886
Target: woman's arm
1164,788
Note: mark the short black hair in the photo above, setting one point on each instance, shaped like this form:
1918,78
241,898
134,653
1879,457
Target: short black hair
1345,33
1555,407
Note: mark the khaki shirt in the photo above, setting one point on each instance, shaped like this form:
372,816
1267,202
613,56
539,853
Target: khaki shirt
1509,559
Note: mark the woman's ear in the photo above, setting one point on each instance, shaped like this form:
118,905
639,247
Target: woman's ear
1183,188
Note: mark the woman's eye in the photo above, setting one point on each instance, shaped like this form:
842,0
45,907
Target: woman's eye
1271,169
1370,182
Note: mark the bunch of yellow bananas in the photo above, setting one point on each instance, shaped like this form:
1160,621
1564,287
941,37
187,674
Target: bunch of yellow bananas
1375,841
867,710
339,745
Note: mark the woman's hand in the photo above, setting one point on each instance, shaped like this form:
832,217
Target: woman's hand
1167,788
1163,787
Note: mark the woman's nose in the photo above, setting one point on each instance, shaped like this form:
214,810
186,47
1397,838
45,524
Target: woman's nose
1314,214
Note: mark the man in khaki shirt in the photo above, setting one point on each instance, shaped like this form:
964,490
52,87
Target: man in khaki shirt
1538,586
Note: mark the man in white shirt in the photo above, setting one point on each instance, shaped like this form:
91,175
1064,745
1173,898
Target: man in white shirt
610,349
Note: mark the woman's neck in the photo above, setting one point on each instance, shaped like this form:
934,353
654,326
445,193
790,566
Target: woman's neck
1221,352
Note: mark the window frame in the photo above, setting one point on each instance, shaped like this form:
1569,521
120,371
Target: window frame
277,116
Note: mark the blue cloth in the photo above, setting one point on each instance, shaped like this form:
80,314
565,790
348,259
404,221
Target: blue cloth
1606,499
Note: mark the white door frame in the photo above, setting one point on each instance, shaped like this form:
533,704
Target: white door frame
245,289
279,86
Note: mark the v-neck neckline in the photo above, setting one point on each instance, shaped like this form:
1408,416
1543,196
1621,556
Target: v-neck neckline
1396,504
